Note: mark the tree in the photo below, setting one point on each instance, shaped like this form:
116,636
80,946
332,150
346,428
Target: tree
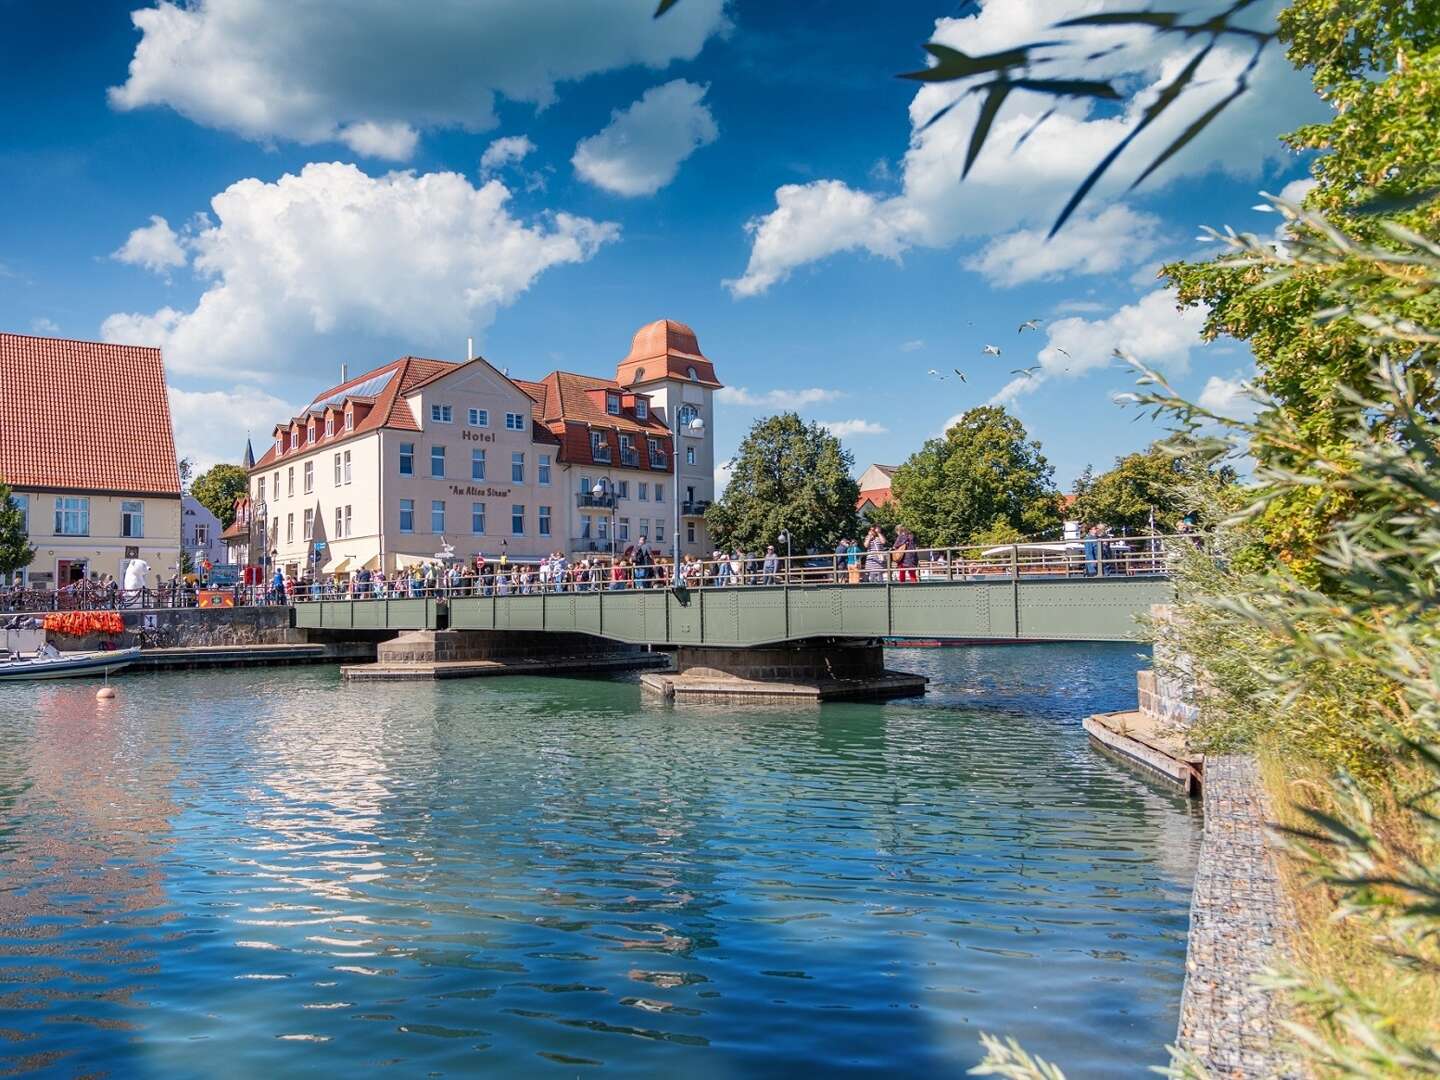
788,476
217,488
1150,487
15,550
186,467
984,481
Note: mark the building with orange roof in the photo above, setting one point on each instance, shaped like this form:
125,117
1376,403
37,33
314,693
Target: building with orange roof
87,446
380,470
874,488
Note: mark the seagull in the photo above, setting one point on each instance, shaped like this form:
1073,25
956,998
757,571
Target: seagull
991,350
1062,352
1028,372
960,373
937,374
1030,324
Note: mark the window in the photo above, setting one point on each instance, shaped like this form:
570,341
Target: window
437,462
477,464
585,485
689,455
627,450
309,524
407,459
479,417
692,374
659,492
202,535
689,532
407,515
517,520
310,432
622,489
347,466
309,477
442,414
599,447
348,530
290,481
659,531
337,470
277,483
279,445
657,454
644,491
642,409
437,515
515,421
339,523
274,529
330,425
22,503
349,419
585,528
603,527
684,417
290,528
542,469
72,517
622,529
477,518
612,404
294,438
260,489
544,521
517,467
132,519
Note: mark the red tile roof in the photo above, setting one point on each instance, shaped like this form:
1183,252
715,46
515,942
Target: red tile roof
875,496
665,347
570,407
86,416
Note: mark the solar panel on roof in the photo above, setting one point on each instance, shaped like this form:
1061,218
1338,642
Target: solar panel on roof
371,387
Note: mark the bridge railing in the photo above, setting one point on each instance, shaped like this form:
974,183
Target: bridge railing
1091,557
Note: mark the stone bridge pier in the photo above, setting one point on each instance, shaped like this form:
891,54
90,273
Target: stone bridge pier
812,670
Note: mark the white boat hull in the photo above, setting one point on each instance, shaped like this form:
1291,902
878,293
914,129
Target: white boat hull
68,665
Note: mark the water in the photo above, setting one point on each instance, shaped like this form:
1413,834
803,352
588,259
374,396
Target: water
235,874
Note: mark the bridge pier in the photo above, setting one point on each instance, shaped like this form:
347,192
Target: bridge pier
452,654
798,671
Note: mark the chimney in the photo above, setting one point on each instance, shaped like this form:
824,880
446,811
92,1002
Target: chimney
344,373
469,349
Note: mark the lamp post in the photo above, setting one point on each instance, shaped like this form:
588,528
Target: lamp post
784,538
697,426
599,492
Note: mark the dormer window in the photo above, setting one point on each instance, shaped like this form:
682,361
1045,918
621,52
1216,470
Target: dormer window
349,419
310,432
692,374
642,409
294,438
279,445
612,404
329,426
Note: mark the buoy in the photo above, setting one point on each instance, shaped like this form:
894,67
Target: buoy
105,693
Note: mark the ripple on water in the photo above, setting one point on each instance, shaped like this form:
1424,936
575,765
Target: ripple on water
529,873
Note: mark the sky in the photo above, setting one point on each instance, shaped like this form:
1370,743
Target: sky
269,189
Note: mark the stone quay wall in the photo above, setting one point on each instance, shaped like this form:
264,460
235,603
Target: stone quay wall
194,628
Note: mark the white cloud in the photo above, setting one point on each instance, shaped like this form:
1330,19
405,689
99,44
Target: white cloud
641,149
846,429
155,246
44,327
1152,329
423,257
1016,185
775,399
504,152
722,476
212,426
373,72
1101,243
912,346
1227,397
1079,307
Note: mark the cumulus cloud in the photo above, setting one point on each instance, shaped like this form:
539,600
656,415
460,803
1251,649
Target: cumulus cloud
155,246
641,149
1115,238
1228,397
1153,329
415,256
775,399
722,476
845,429
371,73
212,426
504,152
1017,184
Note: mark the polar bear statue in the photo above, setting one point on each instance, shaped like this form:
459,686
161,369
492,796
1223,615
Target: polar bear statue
137,572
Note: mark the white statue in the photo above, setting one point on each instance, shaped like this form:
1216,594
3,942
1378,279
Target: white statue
137,571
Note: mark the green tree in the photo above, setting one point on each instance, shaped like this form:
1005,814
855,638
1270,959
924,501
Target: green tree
217,488
985,481
15,550
788,476
1153,485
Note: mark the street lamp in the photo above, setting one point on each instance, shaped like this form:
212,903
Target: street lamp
784,538
599,492
697,428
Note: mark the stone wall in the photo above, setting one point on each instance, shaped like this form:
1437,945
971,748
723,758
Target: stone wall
783,663
194,627
452,646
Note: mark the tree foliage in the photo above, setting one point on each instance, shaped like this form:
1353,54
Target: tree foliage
217,488
984,481
787,476
15,550
1154,486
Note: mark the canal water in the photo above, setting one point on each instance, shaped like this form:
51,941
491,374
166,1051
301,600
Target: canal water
260,873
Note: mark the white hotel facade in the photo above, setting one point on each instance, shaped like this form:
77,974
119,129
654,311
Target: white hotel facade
382,469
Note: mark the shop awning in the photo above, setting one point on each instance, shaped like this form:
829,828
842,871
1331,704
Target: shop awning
372,563
337,565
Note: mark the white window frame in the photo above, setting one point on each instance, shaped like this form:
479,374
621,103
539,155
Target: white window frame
127,516
307,477
437,453
442,414
517,467
515,421
479,418
543,520
80,511
477,464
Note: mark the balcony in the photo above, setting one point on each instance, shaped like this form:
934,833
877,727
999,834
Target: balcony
587,499
590,544
694,507
600,454
630,458
660,461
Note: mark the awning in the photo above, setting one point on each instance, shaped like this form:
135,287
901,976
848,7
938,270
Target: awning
337,565
405,562
372,563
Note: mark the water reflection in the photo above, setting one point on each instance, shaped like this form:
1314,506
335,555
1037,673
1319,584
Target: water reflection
283,872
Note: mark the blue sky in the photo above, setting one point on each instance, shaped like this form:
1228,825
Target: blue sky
267,190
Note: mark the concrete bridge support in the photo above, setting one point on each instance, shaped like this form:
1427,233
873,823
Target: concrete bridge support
799,671
450,654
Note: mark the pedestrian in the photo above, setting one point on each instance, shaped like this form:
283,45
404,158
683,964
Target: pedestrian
852,561
905,556
875,548
771,565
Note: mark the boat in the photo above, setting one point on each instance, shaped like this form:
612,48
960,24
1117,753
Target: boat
58,665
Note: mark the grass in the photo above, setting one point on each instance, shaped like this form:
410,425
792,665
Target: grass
1347,951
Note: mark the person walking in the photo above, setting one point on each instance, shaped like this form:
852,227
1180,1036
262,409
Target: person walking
852,562
770,567
875,549
905,555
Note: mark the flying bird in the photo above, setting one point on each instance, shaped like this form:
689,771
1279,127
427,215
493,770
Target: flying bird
960,373
1027,372
1062,352
936,374
991,350
1030,324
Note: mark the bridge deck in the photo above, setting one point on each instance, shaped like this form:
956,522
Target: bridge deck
1071,609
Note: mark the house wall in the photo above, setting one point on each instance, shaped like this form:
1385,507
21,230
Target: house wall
103,550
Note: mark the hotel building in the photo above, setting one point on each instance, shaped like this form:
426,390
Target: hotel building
87,448
381,470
